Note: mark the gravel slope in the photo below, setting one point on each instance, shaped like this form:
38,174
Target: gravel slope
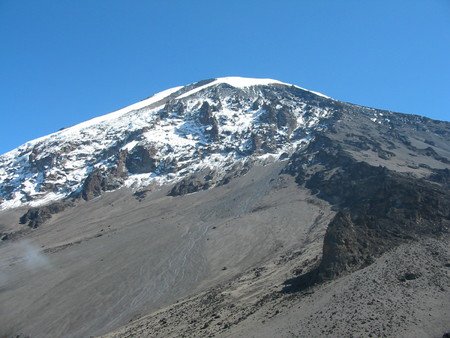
94,267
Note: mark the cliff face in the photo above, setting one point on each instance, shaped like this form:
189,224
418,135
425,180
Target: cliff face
377,209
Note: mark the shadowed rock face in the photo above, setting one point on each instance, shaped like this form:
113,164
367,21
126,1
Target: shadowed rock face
194,183
99,181
35,217
141,160
441,176
94,185
377,209
208,178
207,119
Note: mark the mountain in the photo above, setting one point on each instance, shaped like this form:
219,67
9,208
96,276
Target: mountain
229,207
213,124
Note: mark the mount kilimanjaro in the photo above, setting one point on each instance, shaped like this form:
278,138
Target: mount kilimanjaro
229,207
210,125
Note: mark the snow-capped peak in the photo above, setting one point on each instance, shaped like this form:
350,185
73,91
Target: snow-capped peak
243,82
164,138
107,117
155,98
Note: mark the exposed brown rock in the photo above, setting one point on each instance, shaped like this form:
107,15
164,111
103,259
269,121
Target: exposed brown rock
207,119
99,181
35,217
141,160
193,183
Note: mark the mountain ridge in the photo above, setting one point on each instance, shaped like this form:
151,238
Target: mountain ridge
284,210
42,170
54,167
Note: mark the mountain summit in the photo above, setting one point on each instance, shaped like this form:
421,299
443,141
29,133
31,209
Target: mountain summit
209,125
230,207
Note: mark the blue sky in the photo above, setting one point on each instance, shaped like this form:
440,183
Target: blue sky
63,62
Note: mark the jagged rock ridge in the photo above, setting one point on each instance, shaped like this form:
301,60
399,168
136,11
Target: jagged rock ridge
209,125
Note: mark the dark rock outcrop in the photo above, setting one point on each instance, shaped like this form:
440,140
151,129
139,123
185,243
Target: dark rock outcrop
361,142
35,217
97,182
40,164
141,160
207,119
206,179
377,209
264,141
278,115
119,170
193,183
93,185
441,176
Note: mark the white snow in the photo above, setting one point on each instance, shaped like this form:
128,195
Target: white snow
129,146
314,92
178,137
243,82
114,115
234,81
107,117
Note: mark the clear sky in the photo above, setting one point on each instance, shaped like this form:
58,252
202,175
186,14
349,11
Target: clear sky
65,61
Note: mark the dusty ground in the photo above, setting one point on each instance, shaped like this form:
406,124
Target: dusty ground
405,293
95,267
213,263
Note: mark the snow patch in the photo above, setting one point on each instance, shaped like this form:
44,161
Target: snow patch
243,82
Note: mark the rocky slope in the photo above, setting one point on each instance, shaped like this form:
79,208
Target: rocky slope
383,269
236,207
210,125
